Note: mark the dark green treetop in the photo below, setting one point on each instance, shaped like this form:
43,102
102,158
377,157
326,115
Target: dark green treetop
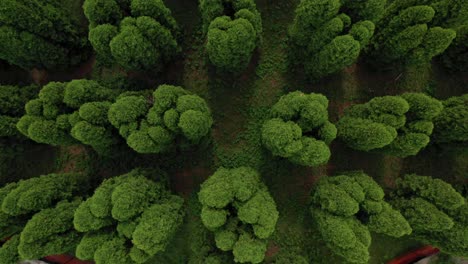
233,31
395,125
452,123
38,214
437,213
300,130
38,34
138,35
347,208
128,219
238,208
12,101
324,40
408,33
69,113
155,124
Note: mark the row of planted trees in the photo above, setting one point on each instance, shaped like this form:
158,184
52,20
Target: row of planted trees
325,36
136,216
133,217
169,118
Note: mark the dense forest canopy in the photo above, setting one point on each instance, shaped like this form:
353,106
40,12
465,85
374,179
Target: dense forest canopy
233,131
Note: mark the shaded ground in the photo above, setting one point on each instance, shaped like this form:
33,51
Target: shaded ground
70,158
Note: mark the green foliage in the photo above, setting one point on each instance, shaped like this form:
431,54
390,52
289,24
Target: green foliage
231,43
239,210
372,10
231,38
158,225
129,219
299,129
435,191
437,213
452,123
90,243
39,193
68,113
346,208
363,134
175,116
249,249
289,257
9,250
38,35
38,214
112,251
322,39
395,125
405,34
9,225
102,12
100,37
341,52
49,232
455,56
12,101
138,35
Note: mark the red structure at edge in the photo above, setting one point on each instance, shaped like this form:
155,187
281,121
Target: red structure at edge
415,255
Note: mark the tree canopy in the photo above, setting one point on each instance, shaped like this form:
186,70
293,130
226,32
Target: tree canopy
12,101
38,214
437,213
171,116
452,123
233,31
395,125
34,34
69,113
139,35
347,208
406,34
324,40
299,129
238,208
128,219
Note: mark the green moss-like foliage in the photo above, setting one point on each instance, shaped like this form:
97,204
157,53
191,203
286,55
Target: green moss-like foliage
290,257
395,125
300,130
372,10
50,232
38,216
172,116
452,123
406,34
233,31
239,210
9,250
69,113
347,208
34,34
35,194
455,57
129,219
437,213
324,40
12,101
454,14
139,35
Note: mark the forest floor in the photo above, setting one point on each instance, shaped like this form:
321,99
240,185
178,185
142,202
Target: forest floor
240,105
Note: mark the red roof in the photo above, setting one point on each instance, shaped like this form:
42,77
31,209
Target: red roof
415,255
